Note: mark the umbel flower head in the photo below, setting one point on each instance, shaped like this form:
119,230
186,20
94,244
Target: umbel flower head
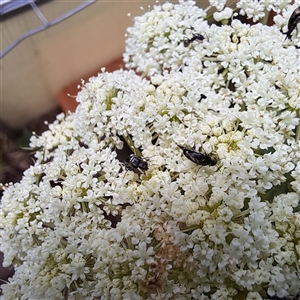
210,112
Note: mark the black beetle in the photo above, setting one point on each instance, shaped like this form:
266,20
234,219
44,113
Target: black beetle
136,162
198,157
196,37
293,21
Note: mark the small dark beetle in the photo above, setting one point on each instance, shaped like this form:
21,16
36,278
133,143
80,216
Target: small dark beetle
293,21
196,37
136,162
198,157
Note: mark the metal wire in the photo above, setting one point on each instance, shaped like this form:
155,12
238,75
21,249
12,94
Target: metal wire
45,22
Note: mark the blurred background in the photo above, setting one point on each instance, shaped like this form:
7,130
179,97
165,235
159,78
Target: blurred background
47,47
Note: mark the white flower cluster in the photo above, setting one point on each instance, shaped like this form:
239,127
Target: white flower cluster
82,225
158,34
257,9
155,44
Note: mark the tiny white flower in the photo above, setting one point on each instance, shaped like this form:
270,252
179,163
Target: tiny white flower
219,4
223,15
143,254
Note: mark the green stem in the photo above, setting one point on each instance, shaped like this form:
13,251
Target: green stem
266,18
130,143
174,177
241,214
